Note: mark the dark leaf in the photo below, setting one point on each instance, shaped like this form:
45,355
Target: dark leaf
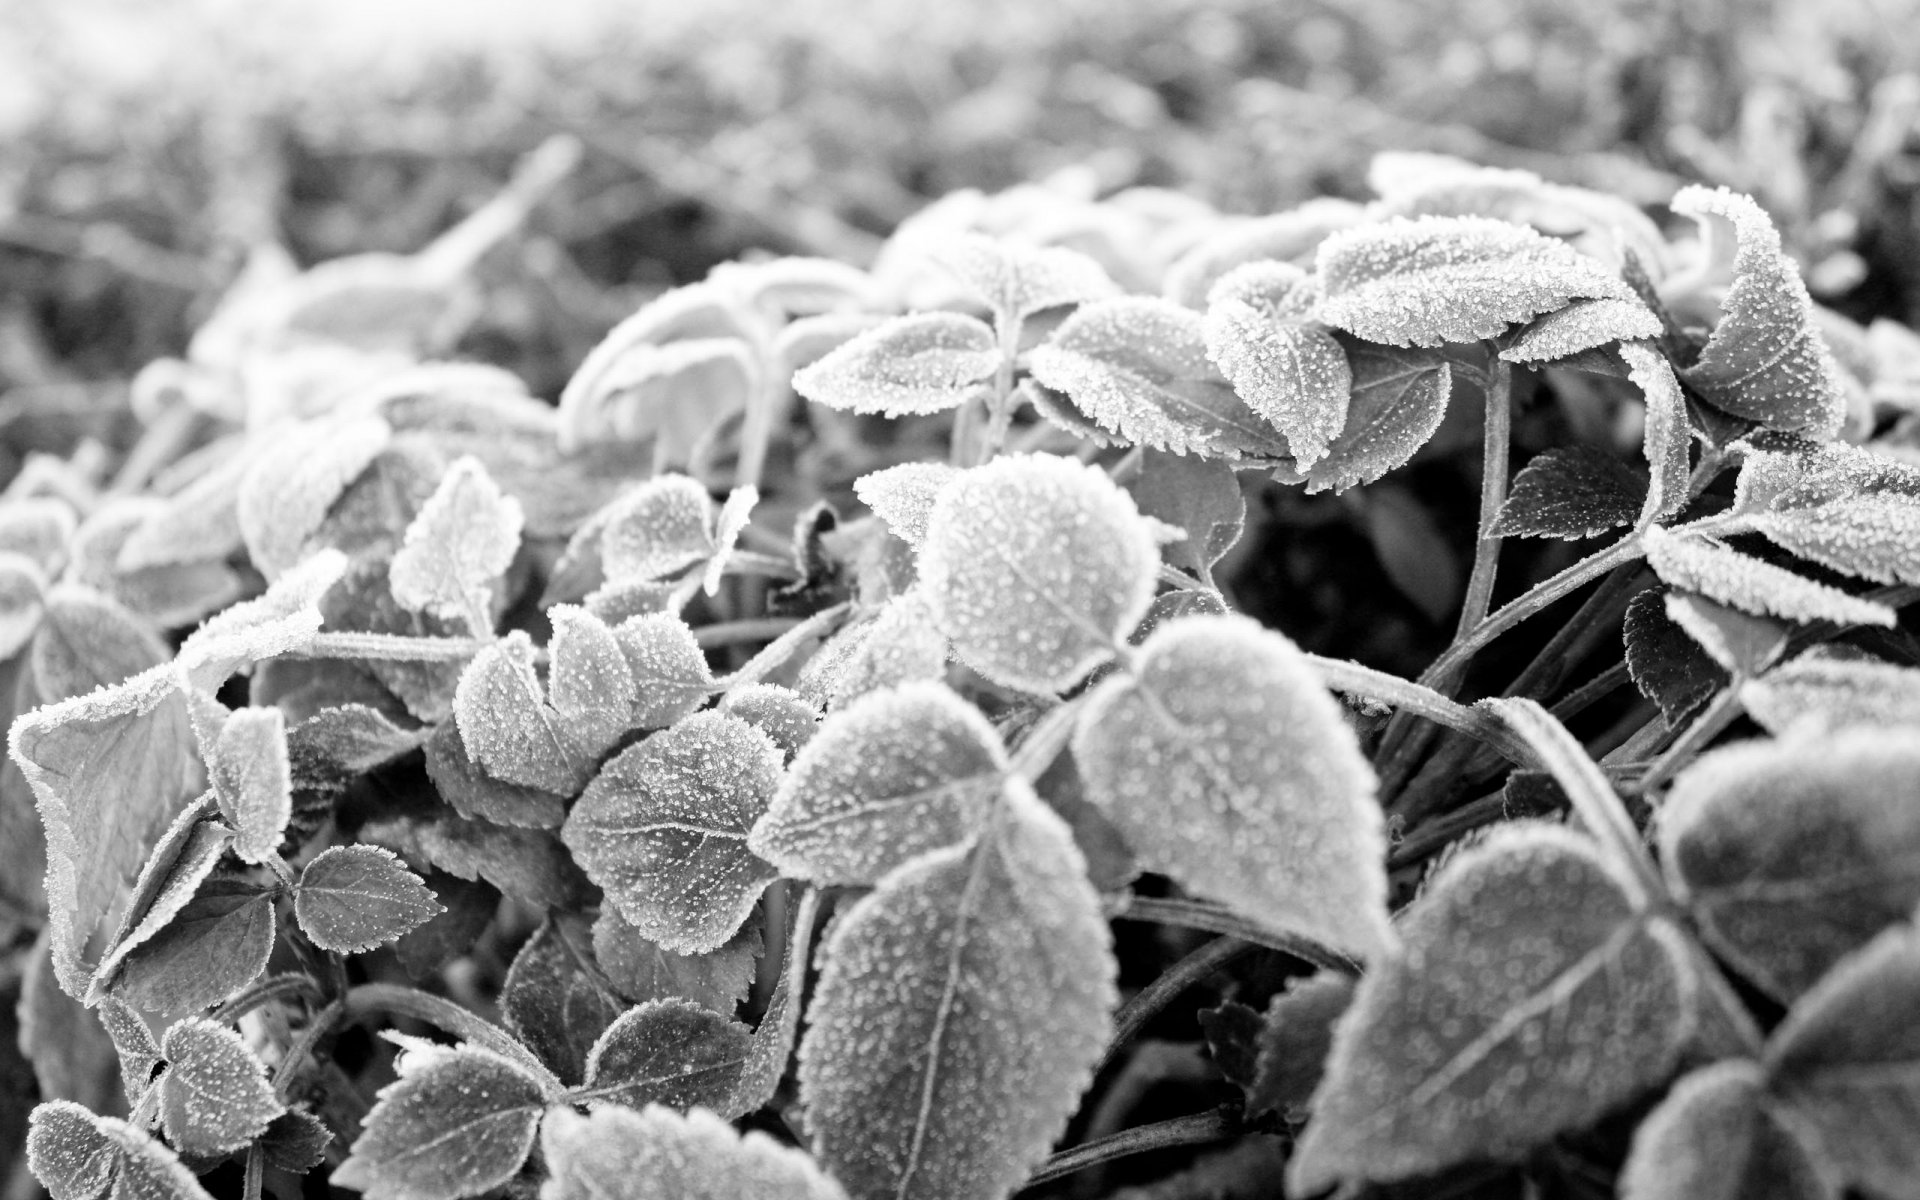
642,970
80,1156
475,794
1717,1137
1200,496
1571,492
216,945
555,1000
353,898
456,1123
296,1141
1667,665
671,1052
214,1097
1295,1038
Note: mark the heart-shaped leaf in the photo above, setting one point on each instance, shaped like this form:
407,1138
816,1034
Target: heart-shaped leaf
670,674
671,1052
1399,398
656,1153
913,365
456,1123
657,530
214,1097
353,898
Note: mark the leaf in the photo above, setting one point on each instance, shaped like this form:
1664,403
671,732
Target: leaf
214,1097
1017,280
1529,999
670,672
88,641
658,1154
1296,1035
1841,507
1399,398
83,1157
1823,693
555,999
1789,859
1583,325
657,530
282,620
1199,496
456,1123
296,1141
1666,663
784,715
38,528
1036,567
1666,436
354,898
477,795
182,860
470,906
1699,564
1847,1063
732,520
198,522
1742,645
528,864
1719,1136
109,770
1570,492
506,723
1293,374
251,775
1226,765
589,682
960,1011
1764,360
71,1054
898,773
22,584
169,596
1431,280
461,542
663,829
133,1041
909,366
1138,366
898,644
670,1052
294,482
903,496
642,970
1288,237
217,944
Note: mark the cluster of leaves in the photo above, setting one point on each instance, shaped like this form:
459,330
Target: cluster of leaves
397,659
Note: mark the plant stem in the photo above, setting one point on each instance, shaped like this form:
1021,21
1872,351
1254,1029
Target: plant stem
390,647
256,1166
1411,698
273,987
1712,721
370,998
1045,740
1432,836
1194,1130
783,647
1195,914
753,629
1493,494
1150,1000
302,1046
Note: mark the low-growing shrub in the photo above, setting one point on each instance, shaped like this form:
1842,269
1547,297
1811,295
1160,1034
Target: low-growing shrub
797,709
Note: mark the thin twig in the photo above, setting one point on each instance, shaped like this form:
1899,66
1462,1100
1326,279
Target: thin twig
1198,1129
1353,679
1148,1002
753,629
1722,712
1209,918
1493,495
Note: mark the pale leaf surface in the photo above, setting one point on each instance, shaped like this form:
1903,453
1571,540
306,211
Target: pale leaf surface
351,738
353,898
1665,438
1581,326
1017,281
1529,999
462,540
959,1013
1228,766
589,682
1570,492
1841,506
1277,290
217,943
670,674
658,1154
903,496
897,773
912,365
642,970
22,584
295,480
1431,280
663,829
214,1097
1201,497
39,529
251,775
477,795
181,861
783,714
901,643
506,723
1399,398
1717,1137
657,530
1288,237
86,641
1697,564
281,620
1293,376
456,1123
732,521
1138,367
1036,566
80,1156
1827,693
671,1052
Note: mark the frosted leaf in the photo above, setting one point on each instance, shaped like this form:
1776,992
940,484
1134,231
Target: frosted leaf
1665,439
1789,858
1431,280
1296,1035
670,674
1138,367
293,483
184,857
529,865
1529,999
1398,400
296,1141
657,530
731,522
898,773
1036,567
475,794
1294,376
642,970
1741,644
170,596
85,641
658,1154
139,1054
1825,692
676,393
589,683
898,644
960,1011
1017,281
1582,325
795,285
22,583
200,521
1290,237
214,1097
1201,497
251,775
810,339
1764,361
1718,1136
1846,1062
506,723
1278,291
351,739
663,830
1847,509
555,998
1666,663
1227,765
1697,564
903,496
1569,492
784,715
1057,410
920,363
80,1156
351,899
456,1123
282,620
459,544
670,1052
109,771
37,528
215,945
773,1040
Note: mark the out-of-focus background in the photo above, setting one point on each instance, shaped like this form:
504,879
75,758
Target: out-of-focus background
145,145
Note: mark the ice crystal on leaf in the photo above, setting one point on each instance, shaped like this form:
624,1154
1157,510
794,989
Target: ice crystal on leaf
456,1123
1398,400
671,1052
903,496
590,683
1698,564
214,1097
506,723
1582,325
1450,279
281,620
1017,281
351,899
1289,237
461,541
1569,492
1840,506
80,1156
912,365
641,969
1293,374
251,775
287,492
1821,692
1666,435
